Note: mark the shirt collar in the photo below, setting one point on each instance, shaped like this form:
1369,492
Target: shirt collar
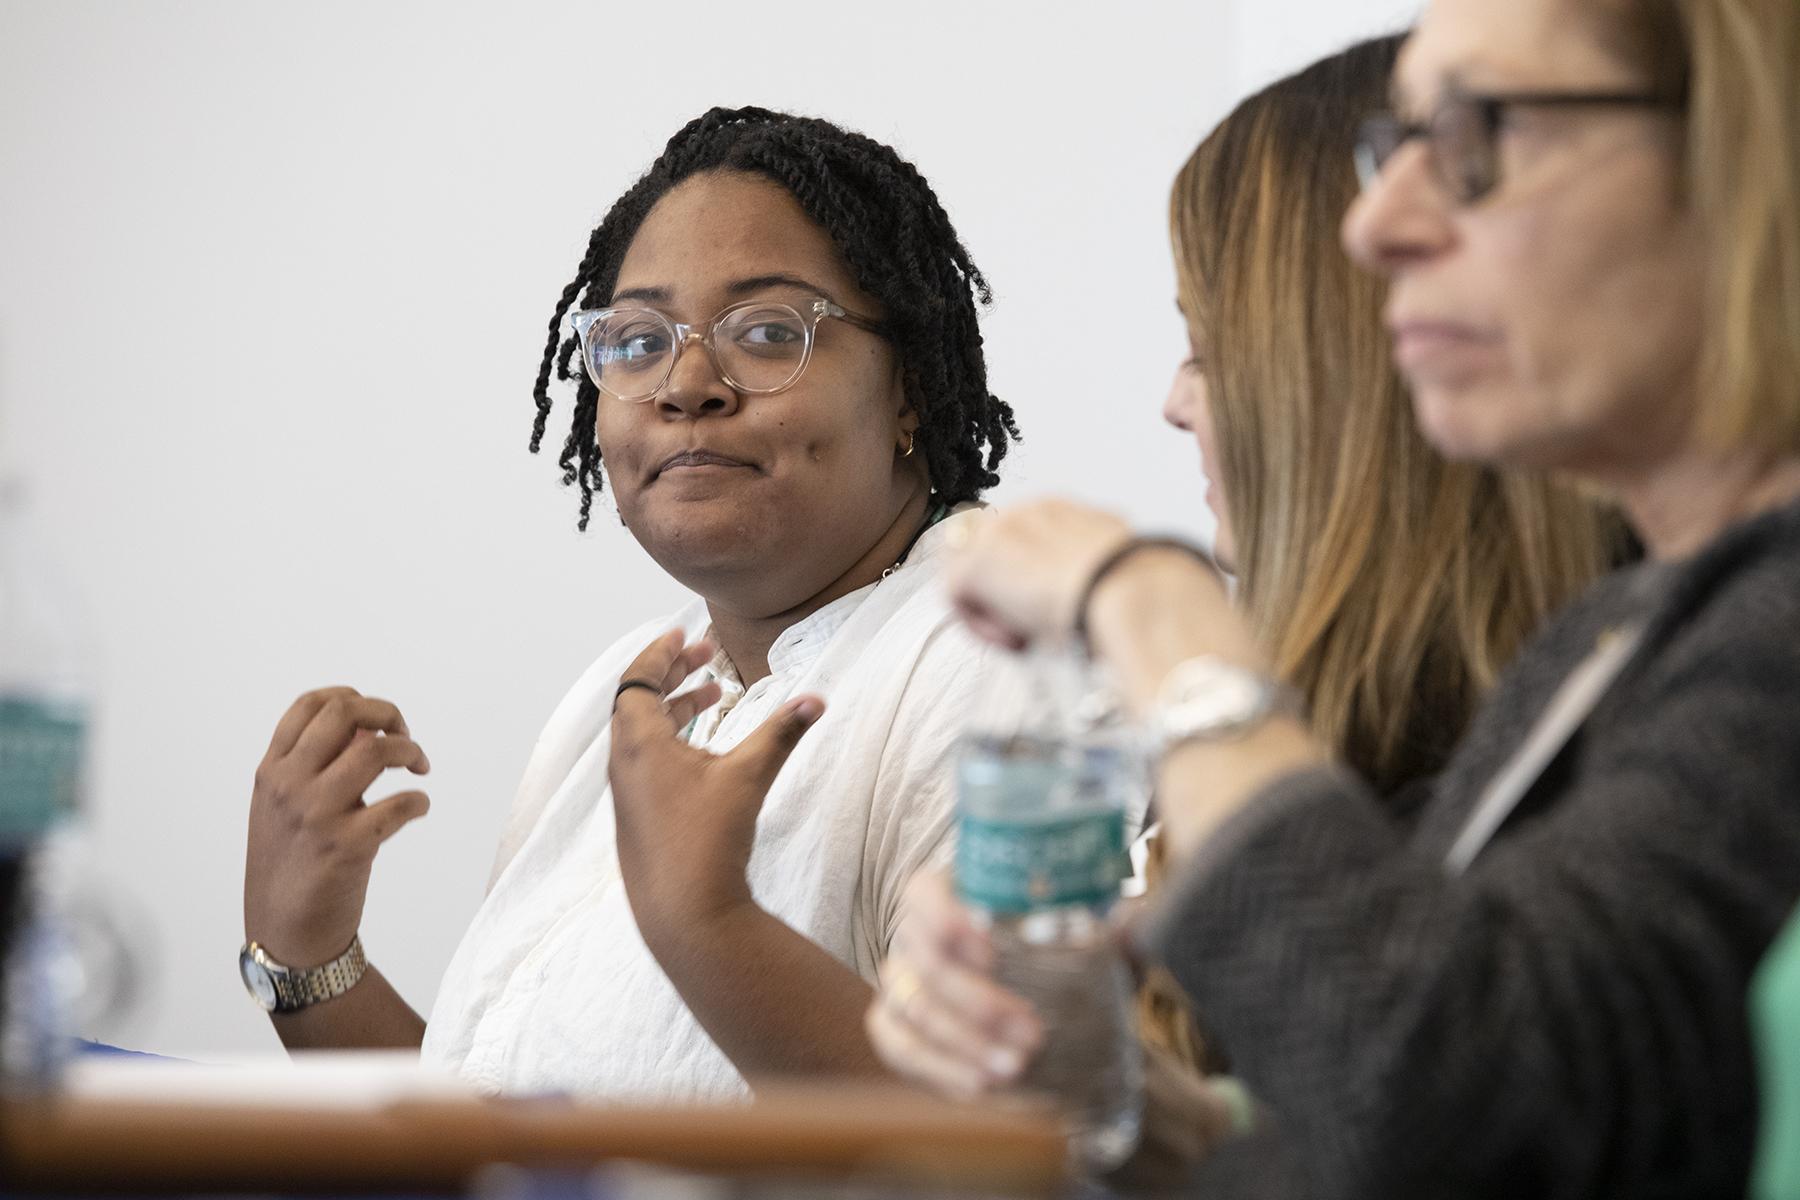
804,640
798,645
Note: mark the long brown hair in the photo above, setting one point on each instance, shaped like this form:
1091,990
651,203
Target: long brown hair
1736,64
1388,585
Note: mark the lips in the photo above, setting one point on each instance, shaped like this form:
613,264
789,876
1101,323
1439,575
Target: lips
1421,341
697,459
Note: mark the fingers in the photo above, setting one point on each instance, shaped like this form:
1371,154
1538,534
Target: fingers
963,1015
762,754
989,628
685,707
969,1010
637,711
368,755
1022,571
660,661
383,819
311,839
907,1051
336,722
691,659
943,1012
959,1006
299,714
667,662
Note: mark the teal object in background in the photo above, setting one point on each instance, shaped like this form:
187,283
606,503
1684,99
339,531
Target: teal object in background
41,744
1775,1022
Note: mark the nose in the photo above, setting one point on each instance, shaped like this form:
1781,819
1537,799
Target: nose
695,388
1178,405
1401,218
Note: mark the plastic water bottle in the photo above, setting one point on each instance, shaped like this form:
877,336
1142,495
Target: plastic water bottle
1044,791
44,714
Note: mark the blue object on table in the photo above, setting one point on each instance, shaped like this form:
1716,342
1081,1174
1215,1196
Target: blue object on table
101,1050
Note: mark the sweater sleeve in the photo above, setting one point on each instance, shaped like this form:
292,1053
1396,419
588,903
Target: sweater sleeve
1567,1017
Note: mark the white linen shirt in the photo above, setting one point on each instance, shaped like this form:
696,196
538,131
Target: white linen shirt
553,989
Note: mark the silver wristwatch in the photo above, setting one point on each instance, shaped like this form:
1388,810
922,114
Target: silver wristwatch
289,989
1207,698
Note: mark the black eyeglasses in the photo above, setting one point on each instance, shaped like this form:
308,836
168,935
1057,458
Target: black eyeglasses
1462,137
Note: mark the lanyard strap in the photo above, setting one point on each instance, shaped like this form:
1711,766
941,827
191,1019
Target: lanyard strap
1571,705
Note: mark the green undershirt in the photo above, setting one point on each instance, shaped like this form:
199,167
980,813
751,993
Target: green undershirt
1775,1023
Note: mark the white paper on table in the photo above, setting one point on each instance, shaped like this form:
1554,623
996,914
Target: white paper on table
352,1080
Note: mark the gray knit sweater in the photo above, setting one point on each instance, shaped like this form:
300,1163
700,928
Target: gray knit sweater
1567,1017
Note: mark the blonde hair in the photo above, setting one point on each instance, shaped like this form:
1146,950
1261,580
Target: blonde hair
1389,585
1737,62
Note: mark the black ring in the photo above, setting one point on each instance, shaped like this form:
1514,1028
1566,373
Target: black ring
627,684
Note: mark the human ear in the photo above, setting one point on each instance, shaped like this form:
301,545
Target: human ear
906,430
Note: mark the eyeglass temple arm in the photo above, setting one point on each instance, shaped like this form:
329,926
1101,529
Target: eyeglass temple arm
1580,99
831,308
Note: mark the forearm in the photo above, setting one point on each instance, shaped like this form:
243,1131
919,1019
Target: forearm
1488,1035
370,1016
1349,987
1153,613
775,1002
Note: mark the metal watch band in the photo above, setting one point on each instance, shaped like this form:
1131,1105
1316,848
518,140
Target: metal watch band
298,988
1208,699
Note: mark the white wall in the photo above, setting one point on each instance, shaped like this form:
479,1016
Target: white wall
273,286
1274,37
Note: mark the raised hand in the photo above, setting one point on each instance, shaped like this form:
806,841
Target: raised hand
1019,575
313,837
686,818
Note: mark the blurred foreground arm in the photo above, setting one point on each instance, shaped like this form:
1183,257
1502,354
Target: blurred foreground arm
1028,572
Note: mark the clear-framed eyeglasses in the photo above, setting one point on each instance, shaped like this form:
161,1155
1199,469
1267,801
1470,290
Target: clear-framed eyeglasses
759,346
1462,136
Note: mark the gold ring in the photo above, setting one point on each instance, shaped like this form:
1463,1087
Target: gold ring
904,991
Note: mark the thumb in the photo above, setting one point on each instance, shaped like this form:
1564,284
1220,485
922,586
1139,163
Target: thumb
761,755
384,818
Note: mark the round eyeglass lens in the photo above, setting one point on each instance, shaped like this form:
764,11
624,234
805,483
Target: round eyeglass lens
761,348
1464,146
629,352
1377,139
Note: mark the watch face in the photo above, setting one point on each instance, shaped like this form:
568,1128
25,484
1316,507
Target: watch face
1230,698
1206,698
257,980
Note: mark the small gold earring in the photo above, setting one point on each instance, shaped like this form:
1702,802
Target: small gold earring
911,441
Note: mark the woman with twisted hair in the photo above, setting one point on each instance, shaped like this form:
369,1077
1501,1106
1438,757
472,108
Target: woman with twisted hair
778,369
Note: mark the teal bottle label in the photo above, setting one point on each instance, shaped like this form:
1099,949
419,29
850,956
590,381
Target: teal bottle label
41,747
1015,867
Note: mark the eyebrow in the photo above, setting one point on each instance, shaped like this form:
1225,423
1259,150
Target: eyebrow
737,287
757,283
1401,103
653,295
1455,82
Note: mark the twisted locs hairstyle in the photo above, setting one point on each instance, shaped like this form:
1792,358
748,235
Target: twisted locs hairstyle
900,246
